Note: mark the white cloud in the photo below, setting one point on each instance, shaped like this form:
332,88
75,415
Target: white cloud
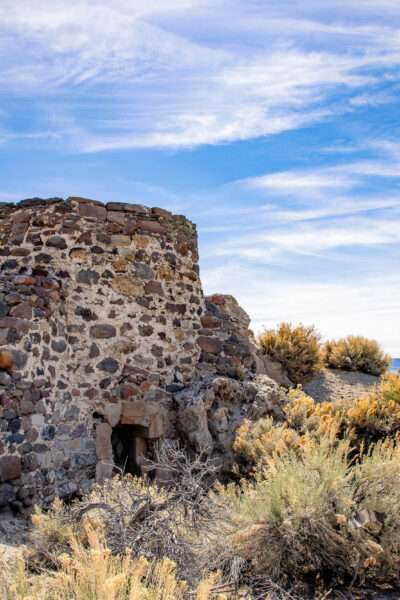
142,75
313,238
368,307
326,180
302,183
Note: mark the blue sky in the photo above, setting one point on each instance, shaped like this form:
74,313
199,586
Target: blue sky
273,125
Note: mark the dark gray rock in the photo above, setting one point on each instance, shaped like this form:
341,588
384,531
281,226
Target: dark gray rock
87,276
58,346
7,494
110,365
56,241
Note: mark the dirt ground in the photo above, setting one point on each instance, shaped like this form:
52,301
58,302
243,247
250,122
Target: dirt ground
332,385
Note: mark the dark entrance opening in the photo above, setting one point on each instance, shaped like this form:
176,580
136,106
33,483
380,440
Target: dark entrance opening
129,447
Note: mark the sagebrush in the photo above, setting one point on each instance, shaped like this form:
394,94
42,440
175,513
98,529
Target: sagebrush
356,353
296,348
90,571
323,498
319,514
372,418
317,507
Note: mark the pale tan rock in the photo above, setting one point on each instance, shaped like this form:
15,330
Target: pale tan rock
121,240
103,441
120,265
267,366
193,421
78,254
132,412
112,413
156,427
141,241
165,273
127,285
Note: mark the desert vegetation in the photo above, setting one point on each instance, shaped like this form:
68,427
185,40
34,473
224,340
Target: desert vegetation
356,353
316,507
296,348
300,352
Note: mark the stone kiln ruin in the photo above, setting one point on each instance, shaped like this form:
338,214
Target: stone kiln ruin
103,330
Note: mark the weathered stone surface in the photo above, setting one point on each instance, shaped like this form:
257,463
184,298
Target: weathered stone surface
212,408
153,287
112,413
6,360
21,326
90,210
120,240
210,322
100,309
104,470
103,442
143,271
59,346
7,494
22,311
110,365
210,344
10,467
88,276
79,254
116,217
265,365
103,331
3,309
152,227
127,285
193,420
56,241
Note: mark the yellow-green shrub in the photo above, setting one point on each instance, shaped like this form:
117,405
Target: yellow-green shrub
356,353
296,348
379,412
319,513
258,441
92,572
307,416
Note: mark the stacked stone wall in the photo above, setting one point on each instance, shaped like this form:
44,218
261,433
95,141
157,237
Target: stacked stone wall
100,312
227,344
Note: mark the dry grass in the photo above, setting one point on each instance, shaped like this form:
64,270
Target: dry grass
356,353
91,572
256,442
319,515
321,508
137,516
324,502
296,348
378,414
365,421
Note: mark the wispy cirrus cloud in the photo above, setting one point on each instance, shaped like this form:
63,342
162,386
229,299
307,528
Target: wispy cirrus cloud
317,210
315,238
102,68
301,207
326,180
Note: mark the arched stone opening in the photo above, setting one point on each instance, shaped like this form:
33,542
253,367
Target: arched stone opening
124,446
129,446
